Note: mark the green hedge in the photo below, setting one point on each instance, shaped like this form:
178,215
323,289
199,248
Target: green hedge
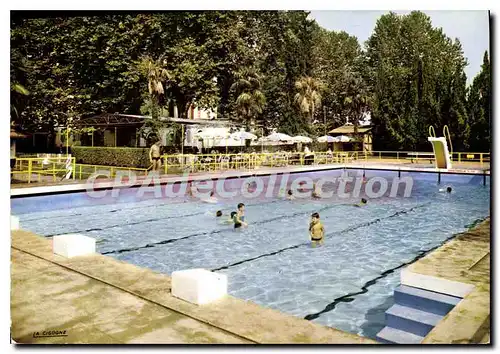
124,157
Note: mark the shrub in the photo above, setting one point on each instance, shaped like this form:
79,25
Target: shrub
107,156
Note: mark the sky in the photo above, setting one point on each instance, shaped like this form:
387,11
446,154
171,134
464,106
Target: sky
470,27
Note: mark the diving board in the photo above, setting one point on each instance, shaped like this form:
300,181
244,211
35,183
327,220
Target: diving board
441,153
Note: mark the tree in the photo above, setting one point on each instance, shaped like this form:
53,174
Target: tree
479,109
156,74
416,73
334,54
308,97
250,100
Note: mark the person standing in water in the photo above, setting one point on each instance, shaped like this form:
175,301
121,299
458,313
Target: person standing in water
239,218
316,230
155,156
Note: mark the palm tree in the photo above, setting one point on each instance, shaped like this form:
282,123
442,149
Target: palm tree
250,101
308,98
156,74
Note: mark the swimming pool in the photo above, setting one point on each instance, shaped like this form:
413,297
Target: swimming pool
347,284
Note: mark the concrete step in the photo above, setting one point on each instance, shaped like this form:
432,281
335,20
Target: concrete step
390,335
411,320
424,300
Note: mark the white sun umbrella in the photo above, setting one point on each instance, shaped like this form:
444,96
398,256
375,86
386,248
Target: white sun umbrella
211,134
241,135
302,139
277,137
343,139
327,139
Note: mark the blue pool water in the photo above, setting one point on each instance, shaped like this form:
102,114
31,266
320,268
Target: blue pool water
271,262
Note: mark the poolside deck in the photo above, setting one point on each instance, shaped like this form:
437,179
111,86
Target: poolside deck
97,299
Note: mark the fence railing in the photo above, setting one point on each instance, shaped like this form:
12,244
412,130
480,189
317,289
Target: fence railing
52,168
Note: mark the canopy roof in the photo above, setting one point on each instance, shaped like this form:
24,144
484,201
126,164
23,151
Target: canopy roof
349,129
17,135
116,119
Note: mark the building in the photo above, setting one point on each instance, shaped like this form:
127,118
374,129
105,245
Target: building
364,137
122,130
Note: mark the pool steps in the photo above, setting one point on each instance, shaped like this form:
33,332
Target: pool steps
414,314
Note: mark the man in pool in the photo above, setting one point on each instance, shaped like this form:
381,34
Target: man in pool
290,195
218,214
239,218
316,230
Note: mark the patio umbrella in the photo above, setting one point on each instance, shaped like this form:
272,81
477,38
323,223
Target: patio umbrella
211,134
242,135
277,137
327,139
302,139
343,139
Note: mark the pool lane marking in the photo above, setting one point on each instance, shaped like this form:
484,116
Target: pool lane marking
145,221
184,313
207,232
149,245
132,208
364,289
349,229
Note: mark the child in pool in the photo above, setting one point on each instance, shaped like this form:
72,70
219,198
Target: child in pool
316,230
239,218
230,220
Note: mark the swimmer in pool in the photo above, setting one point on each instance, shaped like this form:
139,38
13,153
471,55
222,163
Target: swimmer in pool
218,214
361,203
251,187
211,199
239,218
290,195
447,189
316,192
316,230
230,220
190,189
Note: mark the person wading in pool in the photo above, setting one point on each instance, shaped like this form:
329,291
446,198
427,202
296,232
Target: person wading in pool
154,156
316,230
239,218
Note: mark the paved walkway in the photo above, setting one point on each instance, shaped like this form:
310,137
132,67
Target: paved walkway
97,299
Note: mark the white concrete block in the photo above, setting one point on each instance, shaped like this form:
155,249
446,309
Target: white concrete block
439,285
198,286
72,245
14,223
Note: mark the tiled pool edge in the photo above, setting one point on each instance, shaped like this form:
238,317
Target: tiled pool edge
242,318
460,267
